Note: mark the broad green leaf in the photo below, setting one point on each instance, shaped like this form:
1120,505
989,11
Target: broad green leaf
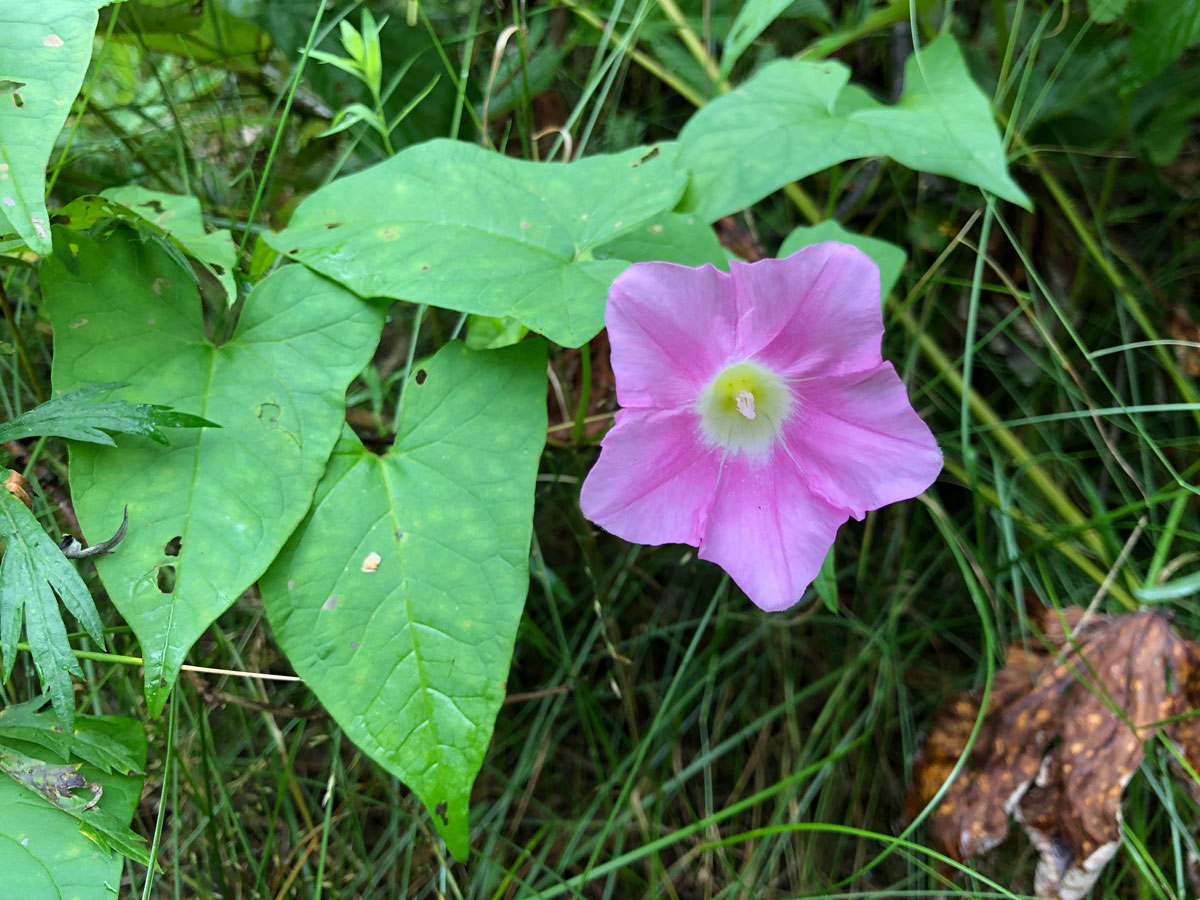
179,218
32,572
398,598
460,227
671,237
44,52
82,416
124,310
796,117
62,851
887,255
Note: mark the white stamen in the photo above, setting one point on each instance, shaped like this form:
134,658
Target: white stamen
745,404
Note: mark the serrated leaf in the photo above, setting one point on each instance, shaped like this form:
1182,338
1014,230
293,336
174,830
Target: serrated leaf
44,52
398,598
47,850
231,494
460,227
887,255
82,416
179,218
32,572
797,117
91,744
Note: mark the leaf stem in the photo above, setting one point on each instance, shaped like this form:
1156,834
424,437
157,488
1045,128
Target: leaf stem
585,392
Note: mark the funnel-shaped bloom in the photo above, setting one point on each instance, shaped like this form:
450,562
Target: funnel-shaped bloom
757,414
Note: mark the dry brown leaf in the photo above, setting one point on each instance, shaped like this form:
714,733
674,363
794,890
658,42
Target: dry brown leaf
19,487
1062,736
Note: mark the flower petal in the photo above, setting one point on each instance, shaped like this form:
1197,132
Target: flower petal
654,480
671,328
768,530
859,441
816,312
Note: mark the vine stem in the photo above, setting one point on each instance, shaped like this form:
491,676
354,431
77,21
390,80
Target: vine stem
138,661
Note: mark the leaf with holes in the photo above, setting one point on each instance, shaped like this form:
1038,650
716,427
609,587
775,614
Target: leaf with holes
52,844
208,513
797,117
44,51
460,227
180,218
398,598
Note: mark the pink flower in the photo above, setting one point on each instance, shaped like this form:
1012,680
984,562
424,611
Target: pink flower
757,414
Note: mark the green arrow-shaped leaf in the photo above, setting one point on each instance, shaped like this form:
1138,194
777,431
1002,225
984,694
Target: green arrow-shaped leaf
209,513
457,226
44,51
399,596
797,117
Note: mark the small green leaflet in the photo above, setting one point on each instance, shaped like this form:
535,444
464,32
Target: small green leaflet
81,415
456,226
32,572
797,117
398,597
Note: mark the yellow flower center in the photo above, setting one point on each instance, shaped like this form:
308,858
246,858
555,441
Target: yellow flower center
743,408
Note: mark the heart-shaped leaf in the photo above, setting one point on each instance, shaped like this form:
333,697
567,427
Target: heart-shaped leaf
460,227
44,51
208,513
797,117
398,598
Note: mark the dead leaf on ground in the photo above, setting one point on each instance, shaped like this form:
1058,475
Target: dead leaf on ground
1062,736
19,487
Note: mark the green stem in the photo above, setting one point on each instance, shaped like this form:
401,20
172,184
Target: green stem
585,392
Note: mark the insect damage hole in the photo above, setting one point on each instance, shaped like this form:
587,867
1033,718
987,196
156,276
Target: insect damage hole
420,376
173,546
166,579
